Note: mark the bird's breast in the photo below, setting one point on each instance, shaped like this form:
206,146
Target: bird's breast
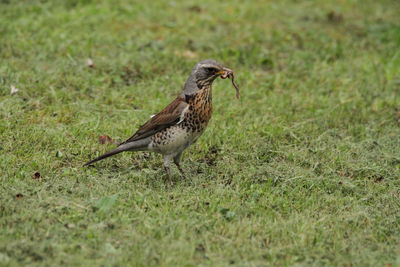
200,111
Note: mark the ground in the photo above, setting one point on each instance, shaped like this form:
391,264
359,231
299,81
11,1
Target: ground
303,169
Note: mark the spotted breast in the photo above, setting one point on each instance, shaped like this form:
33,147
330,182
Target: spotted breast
174,139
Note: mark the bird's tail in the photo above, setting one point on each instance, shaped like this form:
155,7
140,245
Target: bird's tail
132,146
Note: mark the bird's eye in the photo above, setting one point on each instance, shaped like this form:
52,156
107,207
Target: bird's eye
211,70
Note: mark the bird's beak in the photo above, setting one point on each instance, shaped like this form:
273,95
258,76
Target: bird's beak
225,73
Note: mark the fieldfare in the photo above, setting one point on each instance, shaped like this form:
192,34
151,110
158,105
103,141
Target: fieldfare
179,124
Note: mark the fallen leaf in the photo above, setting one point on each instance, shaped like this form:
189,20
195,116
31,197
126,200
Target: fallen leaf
14,90
90,63
105,139
36,176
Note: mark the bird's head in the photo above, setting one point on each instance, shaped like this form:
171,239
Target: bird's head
206,71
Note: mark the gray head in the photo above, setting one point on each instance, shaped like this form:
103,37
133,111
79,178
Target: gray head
203,74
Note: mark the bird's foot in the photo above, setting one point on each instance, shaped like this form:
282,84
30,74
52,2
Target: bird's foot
181,171
168,175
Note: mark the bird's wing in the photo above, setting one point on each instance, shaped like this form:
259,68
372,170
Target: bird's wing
170,115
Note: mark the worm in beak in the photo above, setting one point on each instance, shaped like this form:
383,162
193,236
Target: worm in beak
227,73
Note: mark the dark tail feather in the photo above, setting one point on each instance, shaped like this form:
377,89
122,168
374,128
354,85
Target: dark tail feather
133,146
106,155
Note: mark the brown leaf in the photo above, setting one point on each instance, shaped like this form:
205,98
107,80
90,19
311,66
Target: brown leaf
105,139
36,176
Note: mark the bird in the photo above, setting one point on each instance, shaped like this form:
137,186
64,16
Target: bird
180,123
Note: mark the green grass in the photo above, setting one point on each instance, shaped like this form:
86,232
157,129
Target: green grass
304,169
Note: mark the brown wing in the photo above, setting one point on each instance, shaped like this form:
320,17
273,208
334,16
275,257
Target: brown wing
169,116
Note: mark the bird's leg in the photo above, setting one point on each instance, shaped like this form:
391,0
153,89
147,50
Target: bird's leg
167,162
177,160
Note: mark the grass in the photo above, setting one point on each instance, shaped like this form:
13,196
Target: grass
304,169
